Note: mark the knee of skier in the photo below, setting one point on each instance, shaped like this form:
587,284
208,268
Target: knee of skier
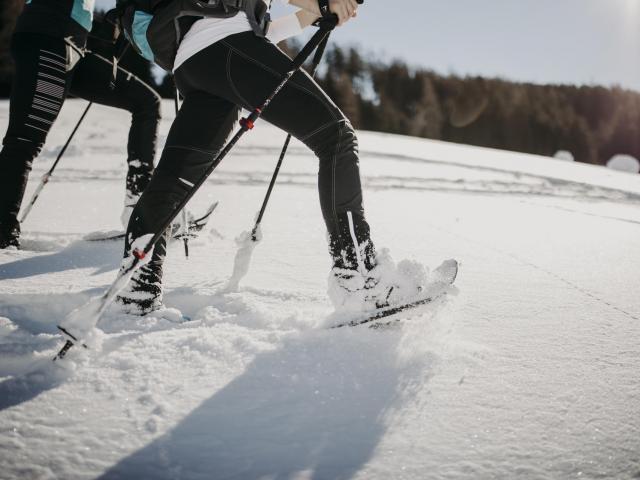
335,142
147,107
20,152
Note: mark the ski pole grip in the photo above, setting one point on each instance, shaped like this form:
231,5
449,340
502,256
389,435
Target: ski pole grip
330,21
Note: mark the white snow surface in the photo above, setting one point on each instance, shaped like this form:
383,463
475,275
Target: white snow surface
532,370
565,155
624,163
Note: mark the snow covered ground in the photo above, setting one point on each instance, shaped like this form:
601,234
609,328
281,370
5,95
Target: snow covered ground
532,370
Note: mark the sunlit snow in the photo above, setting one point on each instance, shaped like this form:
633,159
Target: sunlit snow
624,163
532,370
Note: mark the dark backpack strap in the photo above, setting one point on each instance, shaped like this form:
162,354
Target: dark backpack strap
120,41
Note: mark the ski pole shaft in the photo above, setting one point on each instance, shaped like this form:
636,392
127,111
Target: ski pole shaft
316,62
246,124
185,223
185,232
47,176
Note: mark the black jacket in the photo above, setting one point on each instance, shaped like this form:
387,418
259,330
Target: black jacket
58,18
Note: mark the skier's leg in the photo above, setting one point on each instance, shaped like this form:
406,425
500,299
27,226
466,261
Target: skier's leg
197,134
91,81
39,90
244,70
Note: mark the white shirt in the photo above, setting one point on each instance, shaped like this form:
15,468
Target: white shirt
208,31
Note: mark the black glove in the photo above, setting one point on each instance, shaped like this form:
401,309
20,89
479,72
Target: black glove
325,11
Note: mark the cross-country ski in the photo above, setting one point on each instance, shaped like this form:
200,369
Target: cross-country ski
440,281
195,226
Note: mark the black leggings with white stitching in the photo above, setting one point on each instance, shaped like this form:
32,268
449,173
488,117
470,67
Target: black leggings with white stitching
241,71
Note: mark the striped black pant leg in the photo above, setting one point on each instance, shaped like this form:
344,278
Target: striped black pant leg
38,93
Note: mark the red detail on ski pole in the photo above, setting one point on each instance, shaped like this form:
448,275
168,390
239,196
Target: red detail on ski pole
247,123
139,254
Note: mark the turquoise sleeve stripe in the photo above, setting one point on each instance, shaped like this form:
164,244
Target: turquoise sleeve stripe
141,21
82,12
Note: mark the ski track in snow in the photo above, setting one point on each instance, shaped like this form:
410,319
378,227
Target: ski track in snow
530,370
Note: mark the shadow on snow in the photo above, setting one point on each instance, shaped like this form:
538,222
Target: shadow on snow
103,256
316,407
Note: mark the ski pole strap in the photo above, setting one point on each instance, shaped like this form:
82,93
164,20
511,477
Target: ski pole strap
121,47
317,58
326,26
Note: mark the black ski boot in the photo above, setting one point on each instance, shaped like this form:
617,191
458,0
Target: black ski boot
143,294
352,279
9,234
138,177
363,279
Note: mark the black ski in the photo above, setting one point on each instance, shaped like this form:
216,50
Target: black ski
388,312
195,227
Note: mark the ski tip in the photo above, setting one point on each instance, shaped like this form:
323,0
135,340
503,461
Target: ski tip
66,333
213,206
447,272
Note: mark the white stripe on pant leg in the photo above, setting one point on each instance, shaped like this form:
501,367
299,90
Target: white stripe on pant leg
53,67
352,231
52,61
37,128
51,77
42,108
45,110
49,99
186,182
40,119
54,54
44,86
38,100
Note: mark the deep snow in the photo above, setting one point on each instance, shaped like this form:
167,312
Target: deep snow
530,371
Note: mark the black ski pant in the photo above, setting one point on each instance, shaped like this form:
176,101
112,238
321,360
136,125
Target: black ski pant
241,71
45,74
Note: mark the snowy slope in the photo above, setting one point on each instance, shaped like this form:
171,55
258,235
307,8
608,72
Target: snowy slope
530,371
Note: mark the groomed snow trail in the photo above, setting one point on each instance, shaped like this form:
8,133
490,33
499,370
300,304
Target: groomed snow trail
530,371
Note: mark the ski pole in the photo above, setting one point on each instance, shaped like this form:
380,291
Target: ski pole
98,306
185,223
316,62
45,178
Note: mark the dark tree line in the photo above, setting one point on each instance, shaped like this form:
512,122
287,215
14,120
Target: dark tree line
593,123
